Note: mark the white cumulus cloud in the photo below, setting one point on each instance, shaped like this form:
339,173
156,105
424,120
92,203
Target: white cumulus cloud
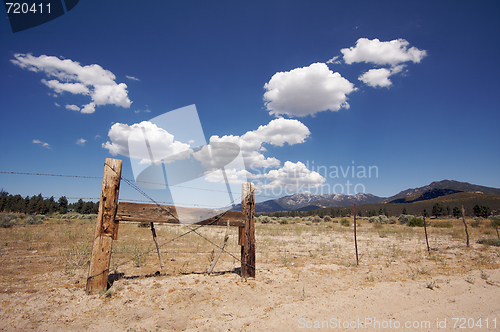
45,145
335,60
380,77
382,53
132,78
91,80
162,143
277,132
88,109
72,107
81,141
291,177
392,53
74,88
307,91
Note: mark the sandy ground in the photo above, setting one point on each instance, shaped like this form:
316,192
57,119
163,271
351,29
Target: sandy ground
397,286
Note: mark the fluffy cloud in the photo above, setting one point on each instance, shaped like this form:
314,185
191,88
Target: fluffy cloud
81,141
382,53
291,177
335,60
91,80
277,132
132,78
45,145
380,77
393,53
234,176
72,107
307,91
376,77
74,88
162,143
88,109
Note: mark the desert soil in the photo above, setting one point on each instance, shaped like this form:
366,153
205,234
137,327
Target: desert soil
306,279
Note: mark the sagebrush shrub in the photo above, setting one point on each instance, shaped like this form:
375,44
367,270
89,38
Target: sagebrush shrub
345,222
476,222
490,242
416,222
264,219
8,220
405,218
33,220
284,221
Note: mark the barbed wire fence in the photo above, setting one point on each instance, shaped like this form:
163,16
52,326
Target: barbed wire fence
133,185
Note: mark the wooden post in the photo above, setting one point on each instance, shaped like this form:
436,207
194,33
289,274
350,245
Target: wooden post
355,239
465,224
97,279
156,244
248,246
425,230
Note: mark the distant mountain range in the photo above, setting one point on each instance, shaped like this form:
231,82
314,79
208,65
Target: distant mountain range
306,202
436,189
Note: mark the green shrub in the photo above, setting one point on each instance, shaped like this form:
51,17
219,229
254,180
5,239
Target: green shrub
383,219
316,219
33,220
8,220
308,222
345,222
415,222
283,221
476,222
335,220
404,219
327,218
490,242
495,222
380,219
264,219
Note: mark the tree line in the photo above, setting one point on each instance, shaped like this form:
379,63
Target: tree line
37,204
438,210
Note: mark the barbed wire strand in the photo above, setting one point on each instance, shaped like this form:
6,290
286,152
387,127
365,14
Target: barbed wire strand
59,175
97,177
191,230
135,187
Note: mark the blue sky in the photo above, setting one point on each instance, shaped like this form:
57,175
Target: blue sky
409,88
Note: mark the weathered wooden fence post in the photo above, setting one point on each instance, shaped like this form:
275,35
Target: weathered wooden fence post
465,225
355,237
105,231
425,230
247,235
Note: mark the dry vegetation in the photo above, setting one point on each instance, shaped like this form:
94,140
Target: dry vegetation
304,269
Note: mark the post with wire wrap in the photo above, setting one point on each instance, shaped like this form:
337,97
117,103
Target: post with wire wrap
106,227
247,233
